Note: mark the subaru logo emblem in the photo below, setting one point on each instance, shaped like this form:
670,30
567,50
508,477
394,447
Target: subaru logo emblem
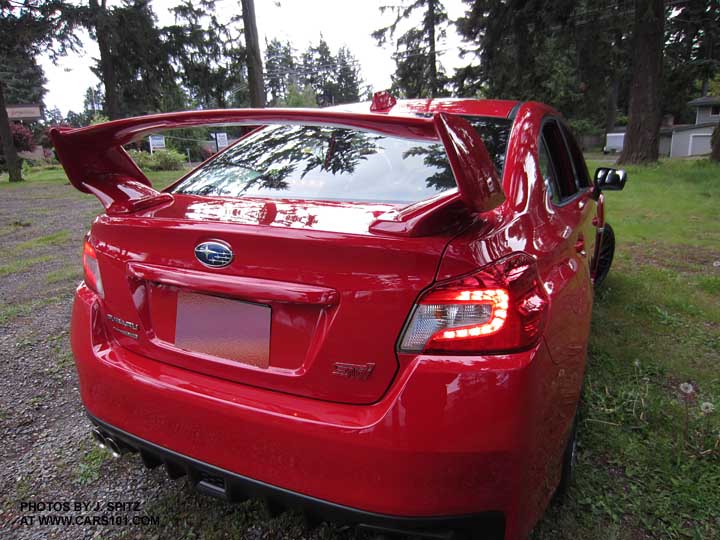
214,254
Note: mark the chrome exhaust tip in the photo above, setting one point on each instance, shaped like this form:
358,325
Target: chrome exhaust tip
106,442
99,438
114,447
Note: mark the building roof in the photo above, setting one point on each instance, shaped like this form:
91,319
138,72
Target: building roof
668,130
689,127
705,101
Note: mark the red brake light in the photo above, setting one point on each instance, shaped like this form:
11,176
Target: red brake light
91,269
500,308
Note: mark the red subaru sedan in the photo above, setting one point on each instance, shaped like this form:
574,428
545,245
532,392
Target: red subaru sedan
375,313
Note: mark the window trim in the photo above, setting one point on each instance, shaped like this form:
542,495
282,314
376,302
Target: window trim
565,130
579,191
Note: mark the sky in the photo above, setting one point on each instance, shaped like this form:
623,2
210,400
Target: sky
341,22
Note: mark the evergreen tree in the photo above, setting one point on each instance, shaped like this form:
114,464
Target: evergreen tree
299,97
27,29
206,54
145,81
23,77
348,77
418,72
691,56
572,54
94,98
280,70
319,68
53,117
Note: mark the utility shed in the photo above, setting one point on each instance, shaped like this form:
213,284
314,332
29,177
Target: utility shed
681,140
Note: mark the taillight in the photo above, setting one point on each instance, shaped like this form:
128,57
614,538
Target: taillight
91,268
501,308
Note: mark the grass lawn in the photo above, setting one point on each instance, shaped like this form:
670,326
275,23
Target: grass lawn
649,457
649,453
53,175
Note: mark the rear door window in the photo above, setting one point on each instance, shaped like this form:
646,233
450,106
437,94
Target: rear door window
564,173
582,178
547,171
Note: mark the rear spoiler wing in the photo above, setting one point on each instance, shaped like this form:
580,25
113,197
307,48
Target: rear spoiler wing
96,162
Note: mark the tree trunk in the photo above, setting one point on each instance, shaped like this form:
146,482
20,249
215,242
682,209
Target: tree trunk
103,31
11,158
433,57
642,138
252,52
715,154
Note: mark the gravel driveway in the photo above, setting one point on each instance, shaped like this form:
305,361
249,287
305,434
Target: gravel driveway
54,481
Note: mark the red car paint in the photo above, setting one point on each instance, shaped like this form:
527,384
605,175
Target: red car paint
422,434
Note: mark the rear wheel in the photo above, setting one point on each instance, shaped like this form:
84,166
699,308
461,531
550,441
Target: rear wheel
605,255
568,464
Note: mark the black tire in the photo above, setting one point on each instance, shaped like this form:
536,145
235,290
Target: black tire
568,464
605,255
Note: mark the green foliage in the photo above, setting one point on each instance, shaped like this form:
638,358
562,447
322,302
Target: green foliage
207,55
675,201
280,70
23,78
167,160
691,56
334,78
159,160
550,52
577,55
297,97
33,26
582,126
98,119
649,453
141,158
134,60
182,140
418,72
318,74
88,470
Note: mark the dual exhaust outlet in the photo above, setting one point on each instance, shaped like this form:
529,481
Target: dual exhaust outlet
117,448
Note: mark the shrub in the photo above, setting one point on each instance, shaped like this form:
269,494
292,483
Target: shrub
168,160
160,160
22,138
143,159
582,126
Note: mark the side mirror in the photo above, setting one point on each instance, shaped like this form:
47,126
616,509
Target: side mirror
610,179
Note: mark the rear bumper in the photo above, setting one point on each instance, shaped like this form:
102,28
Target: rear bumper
233,487
451,441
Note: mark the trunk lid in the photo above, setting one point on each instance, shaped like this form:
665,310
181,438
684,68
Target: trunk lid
315,293
312,303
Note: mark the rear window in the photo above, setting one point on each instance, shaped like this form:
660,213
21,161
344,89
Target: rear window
332,163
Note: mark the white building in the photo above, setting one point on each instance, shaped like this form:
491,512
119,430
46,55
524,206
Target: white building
681,140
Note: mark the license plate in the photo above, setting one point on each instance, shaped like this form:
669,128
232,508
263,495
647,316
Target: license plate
224,328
